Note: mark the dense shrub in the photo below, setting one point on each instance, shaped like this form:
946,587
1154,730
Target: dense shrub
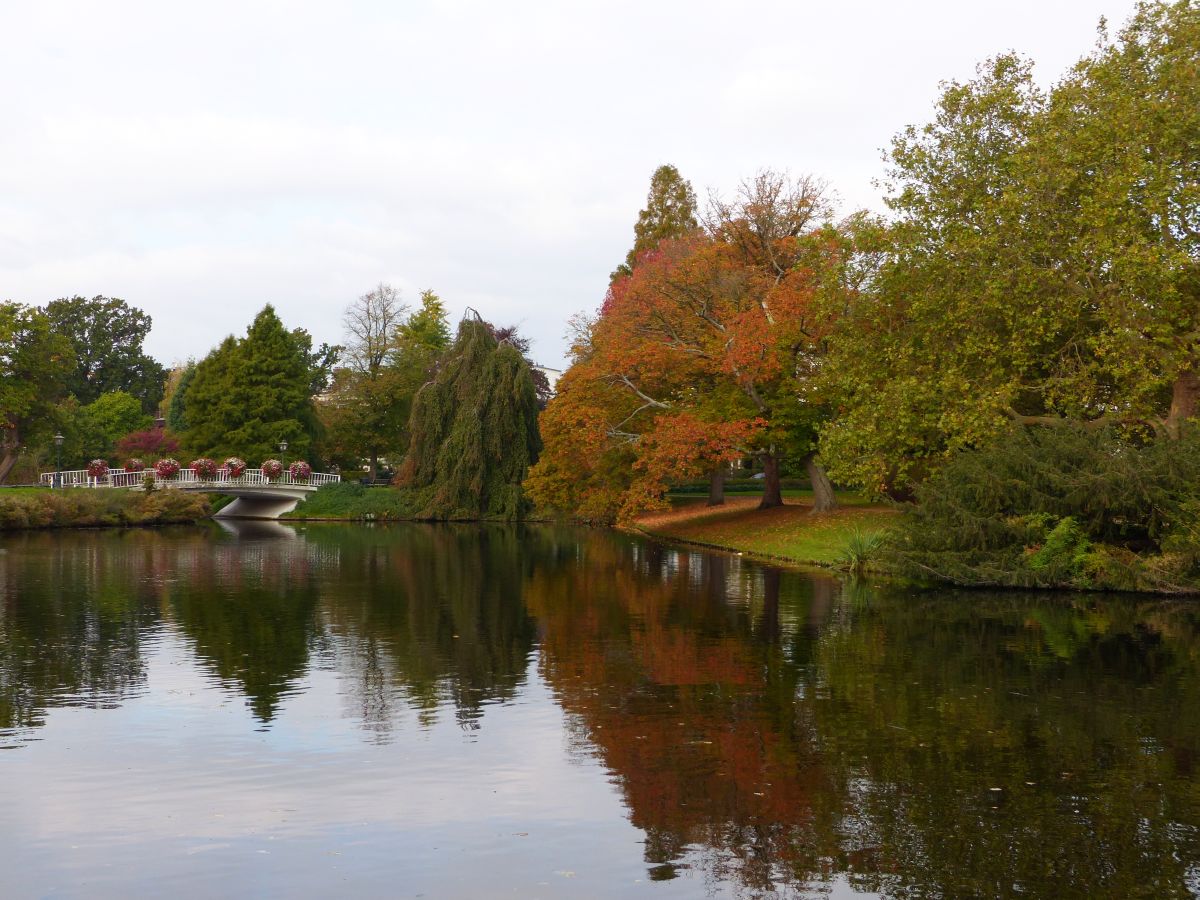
1060,507
93,508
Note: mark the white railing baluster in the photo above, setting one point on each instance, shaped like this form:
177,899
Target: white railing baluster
184,479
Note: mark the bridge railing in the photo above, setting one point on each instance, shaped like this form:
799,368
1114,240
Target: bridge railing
75,478
184,478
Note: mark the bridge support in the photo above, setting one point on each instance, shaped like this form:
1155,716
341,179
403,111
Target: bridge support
257,508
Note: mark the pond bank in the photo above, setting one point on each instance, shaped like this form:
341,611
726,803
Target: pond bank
789,533
77,508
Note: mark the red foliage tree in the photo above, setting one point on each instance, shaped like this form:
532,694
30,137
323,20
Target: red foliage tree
148,442
704,353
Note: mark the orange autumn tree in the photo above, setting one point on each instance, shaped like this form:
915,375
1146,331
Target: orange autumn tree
633,414
704,353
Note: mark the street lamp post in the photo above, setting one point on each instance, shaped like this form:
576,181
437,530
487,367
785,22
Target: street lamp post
283,454
58,442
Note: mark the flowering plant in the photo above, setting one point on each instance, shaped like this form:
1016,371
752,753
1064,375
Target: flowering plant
206,469
272,468
97,468
167,468
235,466
300,470
134,465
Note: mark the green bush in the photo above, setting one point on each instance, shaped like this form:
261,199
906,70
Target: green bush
862,550
1059,507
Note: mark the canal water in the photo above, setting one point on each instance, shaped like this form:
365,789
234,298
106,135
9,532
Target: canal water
485,711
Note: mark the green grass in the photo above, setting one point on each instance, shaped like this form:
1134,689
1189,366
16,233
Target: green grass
352,501
788,532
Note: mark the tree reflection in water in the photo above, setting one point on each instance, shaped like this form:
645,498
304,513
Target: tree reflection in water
771,730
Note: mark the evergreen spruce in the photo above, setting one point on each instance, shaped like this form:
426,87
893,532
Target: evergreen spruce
474,431
670,212
177,407
249,394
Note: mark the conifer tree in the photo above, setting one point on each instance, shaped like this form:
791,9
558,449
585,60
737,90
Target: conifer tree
248,395
176,406
204,406
670,213
474,431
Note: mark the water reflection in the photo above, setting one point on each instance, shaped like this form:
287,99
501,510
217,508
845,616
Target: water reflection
766,731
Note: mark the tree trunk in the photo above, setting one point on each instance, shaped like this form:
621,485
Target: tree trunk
716,486
822,487
10,448
772,492
8,459
1184,399
374,469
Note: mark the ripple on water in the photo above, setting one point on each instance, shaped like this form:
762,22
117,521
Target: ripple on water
539,712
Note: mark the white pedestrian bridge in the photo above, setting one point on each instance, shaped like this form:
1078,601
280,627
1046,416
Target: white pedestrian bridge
255,495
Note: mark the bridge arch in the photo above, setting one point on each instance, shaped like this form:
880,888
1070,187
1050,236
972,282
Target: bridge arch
255,495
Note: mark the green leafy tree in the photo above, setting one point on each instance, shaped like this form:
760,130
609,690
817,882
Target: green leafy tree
321,361
92,430
670,212
34,364
390,354
107,336
1043,264
473,431
249,394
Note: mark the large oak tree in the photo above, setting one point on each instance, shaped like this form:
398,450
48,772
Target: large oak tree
1043,264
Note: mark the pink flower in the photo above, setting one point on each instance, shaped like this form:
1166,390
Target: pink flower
206,469
167,468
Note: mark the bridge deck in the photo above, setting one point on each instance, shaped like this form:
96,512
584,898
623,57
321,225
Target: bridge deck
185,479
257,495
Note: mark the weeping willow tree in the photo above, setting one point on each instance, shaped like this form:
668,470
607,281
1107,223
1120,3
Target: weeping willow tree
474,431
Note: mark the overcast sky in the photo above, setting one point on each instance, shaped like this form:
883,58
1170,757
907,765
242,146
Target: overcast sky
201,160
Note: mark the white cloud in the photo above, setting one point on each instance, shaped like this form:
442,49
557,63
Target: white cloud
202,161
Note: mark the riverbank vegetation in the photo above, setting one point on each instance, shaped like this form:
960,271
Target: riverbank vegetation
1031,302
352,501
1065,507
81,508
472,435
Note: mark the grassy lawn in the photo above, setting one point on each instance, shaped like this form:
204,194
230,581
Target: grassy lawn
22,491
352,501
790,531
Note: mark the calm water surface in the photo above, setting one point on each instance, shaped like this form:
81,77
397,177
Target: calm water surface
496,712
